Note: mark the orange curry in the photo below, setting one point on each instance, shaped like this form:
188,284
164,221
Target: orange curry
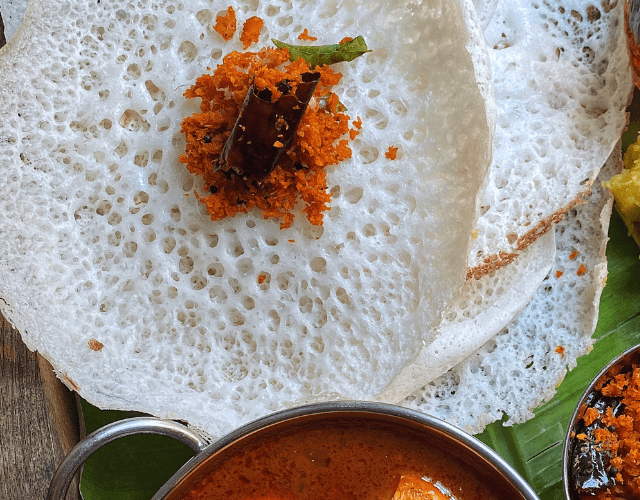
343,461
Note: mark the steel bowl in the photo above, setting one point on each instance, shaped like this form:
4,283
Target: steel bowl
464,448
624,360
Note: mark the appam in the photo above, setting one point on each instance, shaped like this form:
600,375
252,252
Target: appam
484,308
562,81
522,366
558,118
12,12
113,271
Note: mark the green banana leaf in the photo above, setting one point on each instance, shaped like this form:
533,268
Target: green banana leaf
534,448
130,468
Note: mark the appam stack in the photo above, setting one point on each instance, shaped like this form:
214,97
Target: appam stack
112,270
521,367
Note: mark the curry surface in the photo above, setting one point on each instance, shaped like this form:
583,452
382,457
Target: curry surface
361,461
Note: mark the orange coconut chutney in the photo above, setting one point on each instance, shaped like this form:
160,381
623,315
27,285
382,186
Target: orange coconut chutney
321,139
226,25
618,437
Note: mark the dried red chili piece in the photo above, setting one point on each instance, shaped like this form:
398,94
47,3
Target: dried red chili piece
590,460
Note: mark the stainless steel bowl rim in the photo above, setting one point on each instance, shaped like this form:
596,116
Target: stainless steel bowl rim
357,407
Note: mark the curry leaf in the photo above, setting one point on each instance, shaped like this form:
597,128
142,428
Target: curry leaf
317,55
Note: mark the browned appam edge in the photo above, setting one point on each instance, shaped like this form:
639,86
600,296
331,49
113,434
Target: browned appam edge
545,225
503,258
69,382
490,264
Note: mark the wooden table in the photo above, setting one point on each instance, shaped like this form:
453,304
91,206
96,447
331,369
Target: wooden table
38,420
38,417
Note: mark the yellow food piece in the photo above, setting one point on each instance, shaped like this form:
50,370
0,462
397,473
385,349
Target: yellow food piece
632,156
626,190
416,488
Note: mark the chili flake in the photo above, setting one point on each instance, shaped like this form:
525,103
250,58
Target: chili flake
391,153
581,270
95,345
305,36
226,25
559,273
251,31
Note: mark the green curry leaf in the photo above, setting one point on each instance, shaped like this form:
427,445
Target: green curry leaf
318,55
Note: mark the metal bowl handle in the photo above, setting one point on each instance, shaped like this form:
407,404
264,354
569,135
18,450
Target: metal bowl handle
140,425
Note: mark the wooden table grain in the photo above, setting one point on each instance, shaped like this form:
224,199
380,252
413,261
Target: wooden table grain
38,416
38,420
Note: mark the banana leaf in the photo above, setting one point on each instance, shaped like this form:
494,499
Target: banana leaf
534,448
130,468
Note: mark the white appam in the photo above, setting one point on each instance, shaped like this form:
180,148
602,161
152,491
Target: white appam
562,81
521,367
485,307
105,244
485,9
12,12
